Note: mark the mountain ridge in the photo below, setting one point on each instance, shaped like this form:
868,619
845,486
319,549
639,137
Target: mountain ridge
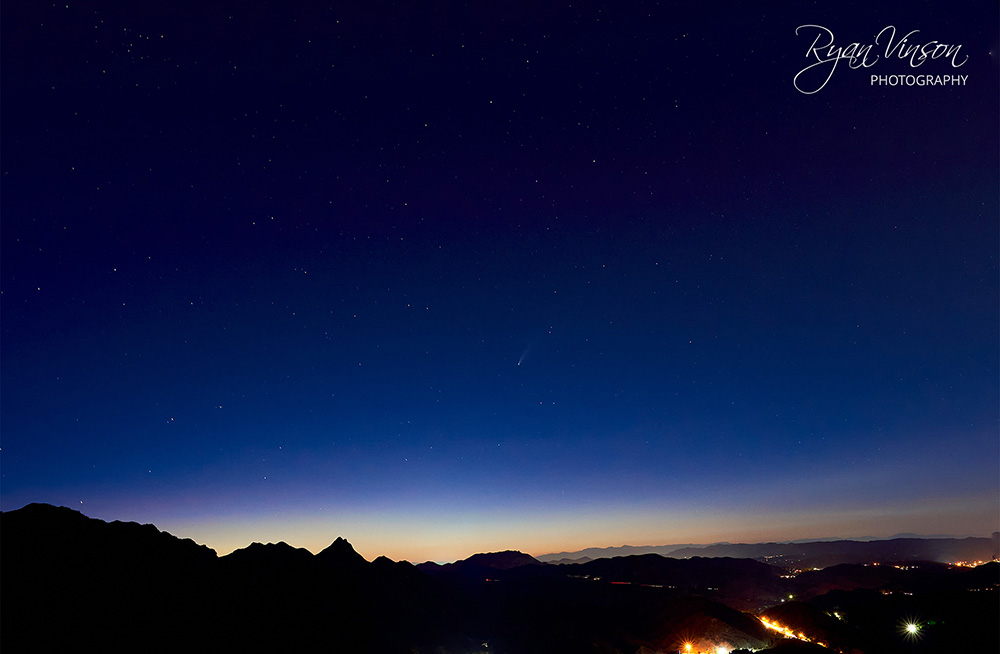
341,548
74,582
666,550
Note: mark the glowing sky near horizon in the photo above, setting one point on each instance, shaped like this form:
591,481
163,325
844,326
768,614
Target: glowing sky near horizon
490,278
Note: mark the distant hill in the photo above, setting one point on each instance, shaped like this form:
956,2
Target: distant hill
582,559
481,564
686,548
609,552
827,553
500,560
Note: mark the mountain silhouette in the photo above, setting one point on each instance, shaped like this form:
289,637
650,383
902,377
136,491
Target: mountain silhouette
72,579
827,553
71,582
341,554
75,583
481,565
609,552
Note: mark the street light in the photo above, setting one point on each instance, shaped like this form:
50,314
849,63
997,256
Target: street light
911,629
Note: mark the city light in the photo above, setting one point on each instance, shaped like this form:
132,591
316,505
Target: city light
689,648
973,564
911,629
786,631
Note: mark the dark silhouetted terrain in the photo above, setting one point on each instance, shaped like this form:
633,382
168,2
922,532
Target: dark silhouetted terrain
72,583
824,554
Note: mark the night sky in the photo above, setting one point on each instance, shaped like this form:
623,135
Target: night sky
457,277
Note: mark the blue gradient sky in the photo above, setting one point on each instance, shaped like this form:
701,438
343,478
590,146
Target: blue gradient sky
481,279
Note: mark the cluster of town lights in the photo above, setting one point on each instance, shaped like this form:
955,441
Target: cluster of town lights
689,649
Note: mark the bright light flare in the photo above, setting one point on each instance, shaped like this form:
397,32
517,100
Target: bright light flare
911,629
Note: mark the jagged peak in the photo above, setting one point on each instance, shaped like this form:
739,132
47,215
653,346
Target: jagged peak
341,550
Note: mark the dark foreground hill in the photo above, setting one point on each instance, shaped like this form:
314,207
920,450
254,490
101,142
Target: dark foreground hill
69,578
72,583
